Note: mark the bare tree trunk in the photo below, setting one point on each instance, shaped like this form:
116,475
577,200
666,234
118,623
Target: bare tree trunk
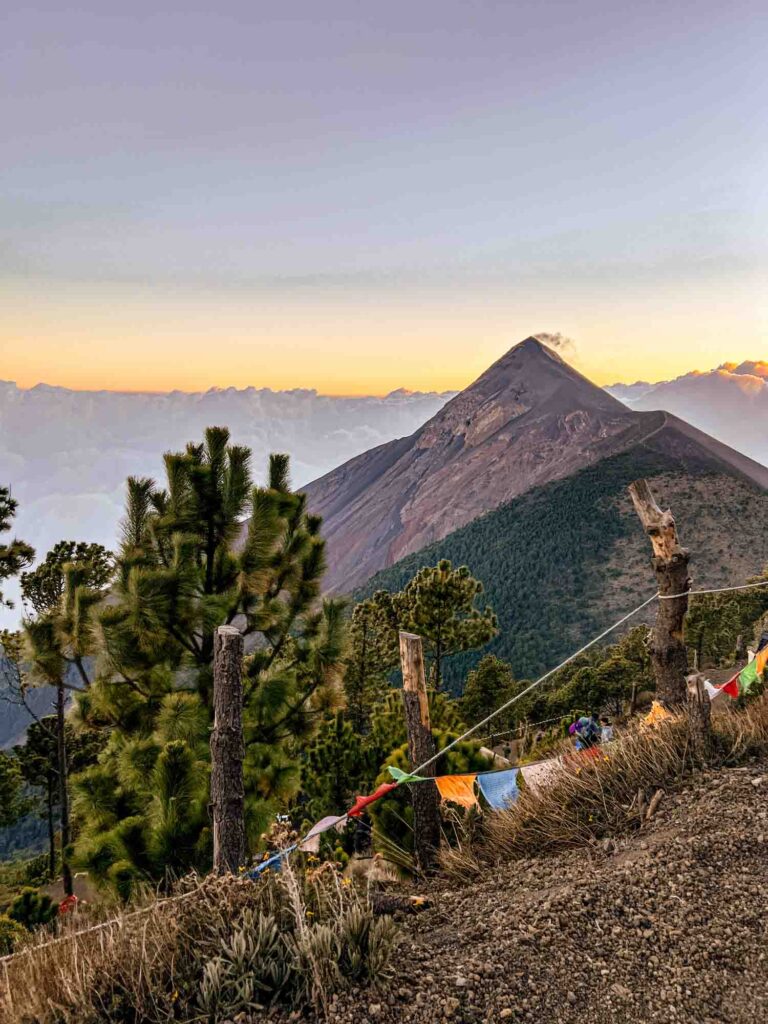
51,826
227,751
61,745
669,656
421,746
699,714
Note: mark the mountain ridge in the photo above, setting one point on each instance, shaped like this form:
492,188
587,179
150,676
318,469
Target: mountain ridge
529,419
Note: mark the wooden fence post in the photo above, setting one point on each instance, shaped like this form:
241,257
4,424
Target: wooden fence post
699,714
669,656
227,751
421,746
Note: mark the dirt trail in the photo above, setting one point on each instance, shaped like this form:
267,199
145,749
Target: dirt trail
669,925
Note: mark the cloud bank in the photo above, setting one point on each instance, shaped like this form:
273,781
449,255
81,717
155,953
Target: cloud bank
729,402
66,454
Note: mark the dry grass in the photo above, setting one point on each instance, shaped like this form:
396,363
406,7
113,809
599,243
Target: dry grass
592,799
224,946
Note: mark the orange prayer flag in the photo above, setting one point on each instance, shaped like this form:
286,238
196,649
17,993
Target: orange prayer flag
458,788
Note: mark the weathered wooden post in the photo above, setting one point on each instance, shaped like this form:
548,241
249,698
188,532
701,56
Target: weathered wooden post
421,746
227,751
699,714
669,656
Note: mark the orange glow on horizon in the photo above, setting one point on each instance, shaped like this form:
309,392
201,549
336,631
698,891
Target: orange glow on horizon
191,342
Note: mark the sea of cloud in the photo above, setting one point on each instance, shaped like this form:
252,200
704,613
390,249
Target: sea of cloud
67,454
729,402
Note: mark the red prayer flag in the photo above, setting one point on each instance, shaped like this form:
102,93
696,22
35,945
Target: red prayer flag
67,904
731,687
361,802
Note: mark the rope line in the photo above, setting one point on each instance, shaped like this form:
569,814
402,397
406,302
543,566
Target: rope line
714,590
533,685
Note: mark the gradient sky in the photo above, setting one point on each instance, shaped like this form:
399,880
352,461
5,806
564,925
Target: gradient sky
355,196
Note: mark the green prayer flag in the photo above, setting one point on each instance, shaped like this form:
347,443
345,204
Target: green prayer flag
749,677
400,776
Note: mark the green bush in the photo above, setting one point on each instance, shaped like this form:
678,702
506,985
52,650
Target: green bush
32,908
10,933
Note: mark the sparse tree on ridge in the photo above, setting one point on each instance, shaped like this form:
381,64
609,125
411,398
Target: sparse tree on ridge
439,604
373,654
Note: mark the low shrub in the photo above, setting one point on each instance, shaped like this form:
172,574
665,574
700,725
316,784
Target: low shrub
32,908
216,948
11,932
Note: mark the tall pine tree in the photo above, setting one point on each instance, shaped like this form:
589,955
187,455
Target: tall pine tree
439,604
186,565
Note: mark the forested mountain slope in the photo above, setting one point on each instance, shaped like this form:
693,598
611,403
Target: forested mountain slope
565,560
530,419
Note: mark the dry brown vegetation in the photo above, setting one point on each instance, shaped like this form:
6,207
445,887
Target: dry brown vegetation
298,940
595,799
219,947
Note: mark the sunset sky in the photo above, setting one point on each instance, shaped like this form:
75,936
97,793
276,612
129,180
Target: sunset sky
356,197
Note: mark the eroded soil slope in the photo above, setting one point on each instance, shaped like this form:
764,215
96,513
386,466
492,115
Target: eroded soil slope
668,925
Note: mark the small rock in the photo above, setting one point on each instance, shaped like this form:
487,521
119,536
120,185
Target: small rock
375,1009
505,1014
621,990
571,997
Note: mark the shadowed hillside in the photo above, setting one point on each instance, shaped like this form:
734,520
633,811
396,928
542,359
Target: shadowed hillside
529,420
565,560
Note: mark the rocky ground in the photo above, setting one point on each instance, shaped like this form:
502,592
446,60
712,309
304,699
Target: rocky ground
667,925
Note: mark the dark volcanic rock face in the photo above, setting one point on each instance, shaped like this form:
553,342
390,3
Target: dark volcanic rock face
528,420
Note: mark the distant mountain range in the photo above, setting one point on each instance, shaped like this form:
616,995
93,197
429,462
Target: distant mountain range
529,420
730,403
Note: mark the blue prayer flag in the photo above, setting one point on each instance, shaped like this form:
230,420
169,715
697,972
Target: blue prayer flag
499,788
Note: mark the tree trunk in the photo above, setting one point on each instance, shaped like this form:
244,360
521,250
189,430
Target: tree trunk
699,713
669,656
51,826
227,752
421,746
61,745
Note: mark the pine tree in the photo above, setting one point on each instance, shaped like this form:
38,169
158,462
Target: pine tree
16,555
439,604
11,802
488,686
186,565
38,762
58,638
337,765
373,654
43,587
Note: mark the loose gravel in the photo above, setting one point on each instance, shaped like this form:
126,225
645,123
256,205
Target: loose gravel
668,925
